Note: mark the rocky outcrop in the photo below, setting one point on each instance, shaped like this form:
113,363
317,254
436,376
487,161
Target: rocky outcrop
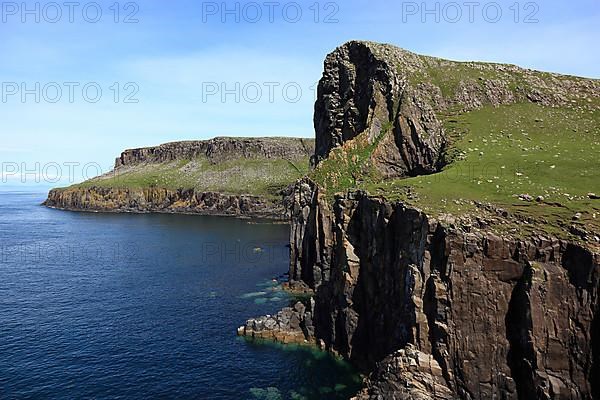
290,325
363,92
394,98
220,149
157,200
502,318
407,374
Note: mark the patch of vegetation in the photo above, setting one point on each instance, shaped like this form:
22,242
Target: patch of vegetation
238,176
450,76
349,167
548,154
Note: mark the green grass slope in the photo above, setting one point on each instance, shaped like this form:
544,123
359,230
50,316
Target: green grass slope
530,160
234,170
239,176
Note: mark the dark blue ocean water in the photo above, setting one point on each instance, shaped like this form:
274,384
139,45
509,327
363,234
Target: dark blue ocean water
145,306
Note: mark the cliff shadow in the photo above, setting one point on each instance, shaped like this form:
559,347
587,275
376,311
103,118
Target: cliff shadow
584,275
594,376
521,357
390,244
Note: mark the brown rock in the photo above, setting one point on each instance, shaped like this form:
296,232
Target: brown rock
501,318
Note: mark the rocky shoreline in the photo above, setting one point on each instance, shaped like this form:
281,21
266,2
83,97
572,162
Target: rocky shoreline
155,200
211,178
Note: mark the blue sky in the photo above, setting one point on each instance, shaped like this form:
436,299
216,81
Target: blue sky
180,55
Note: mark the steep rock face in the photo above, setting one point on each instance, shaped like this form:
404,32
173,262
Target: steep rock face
163,201
503,318
363,91
219,149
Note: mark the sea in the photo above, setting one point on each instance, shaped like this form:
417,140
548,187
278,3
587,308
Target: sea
146,306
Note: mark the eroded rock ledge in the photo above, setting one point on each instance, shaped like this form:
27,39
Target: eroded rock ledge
290,325
407,374
157,200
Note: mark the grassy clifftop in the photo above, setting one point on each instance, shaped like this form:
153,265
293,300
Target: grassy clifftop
538,162
516,142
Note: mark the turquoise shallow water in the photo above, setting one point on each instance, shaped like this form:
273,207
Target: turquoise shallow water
146,306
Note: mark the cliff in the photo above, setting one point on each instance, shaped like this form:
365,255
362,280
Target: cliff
219,149
243,177
363,92
435,282
500,316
